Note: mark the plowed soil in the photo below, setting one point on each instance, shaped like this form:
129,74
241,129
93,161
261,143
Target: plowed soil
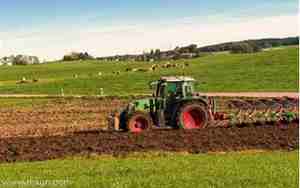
118,143
61,116
64,127
57,117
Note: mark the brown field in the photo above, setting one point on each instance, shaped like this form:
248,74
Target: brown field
120,143
60,116
63,127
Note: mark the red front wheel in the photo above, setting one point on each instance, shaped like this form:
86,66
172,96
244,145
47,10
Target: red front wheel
139,122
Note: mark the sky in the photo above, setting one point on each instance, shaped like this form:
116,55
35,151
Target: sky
50,29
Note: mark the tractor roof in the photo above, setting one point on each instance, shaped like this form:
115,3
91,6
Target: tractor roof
177,79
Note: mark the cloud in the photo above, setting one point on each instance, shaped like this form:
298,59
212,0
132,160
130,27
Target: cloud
53,43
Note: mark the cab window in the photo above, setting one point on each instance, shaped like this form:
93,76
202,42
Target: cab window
188,90
161,91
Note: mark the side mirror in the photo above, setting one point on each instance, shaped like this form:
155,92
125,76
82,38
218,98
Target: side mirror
152,84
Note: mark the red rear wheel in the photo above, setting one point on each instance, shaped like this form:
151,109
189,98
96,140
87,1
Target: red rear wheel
139,122
193,116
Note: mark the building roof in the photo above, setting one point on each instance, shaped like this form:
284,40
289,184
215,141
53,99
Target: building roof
176,78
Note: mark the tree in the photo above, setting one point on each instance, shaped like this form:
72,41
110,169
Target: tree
192,48
74,56
151,52
157,54
242,47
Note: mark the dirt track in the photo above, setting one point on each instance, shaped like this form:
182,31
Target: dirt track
254,94
196,141
215,94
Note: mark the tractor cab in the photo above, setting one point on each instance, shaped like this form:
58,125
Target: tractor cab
173,87
168,92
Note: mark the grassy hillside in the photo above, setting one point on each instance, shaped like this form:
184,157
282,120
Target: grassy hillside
274,70
277,169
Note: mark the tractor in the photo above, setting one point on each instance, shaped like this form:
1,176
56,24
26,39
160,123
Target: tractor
173,105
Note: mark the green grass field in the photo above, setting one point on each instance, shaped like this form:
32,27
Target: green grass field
274,70
277,169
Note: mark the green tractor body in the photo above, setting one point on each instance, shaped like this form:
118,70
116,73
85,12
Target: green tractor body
174,104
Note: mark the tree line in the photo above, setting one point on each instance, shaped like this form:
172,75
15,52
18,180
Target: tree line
193,51
250,46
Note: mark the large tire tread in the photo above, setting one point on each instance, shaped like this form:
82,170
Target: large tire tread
192,105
